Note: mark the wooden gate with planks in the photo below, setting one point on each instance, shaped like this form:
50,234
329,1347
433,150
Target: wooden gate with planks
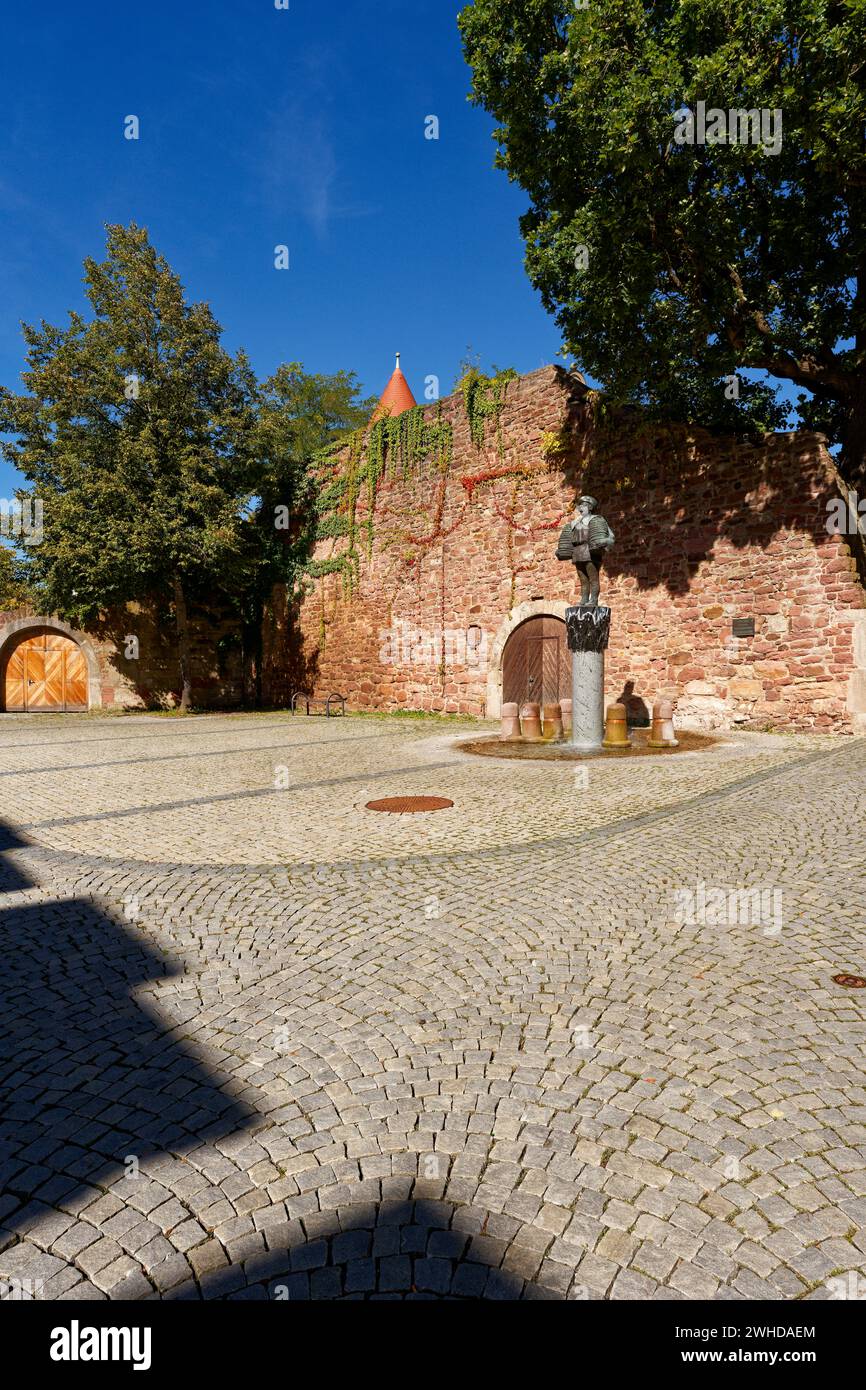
43,672
536,664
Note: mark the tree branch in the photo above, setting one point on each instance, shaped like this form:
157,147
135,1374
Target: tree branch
824,378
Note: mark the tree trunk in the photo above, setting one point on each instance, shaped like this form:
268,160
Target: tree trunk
853,471
182,622
854,439
260,652
854,443
253,653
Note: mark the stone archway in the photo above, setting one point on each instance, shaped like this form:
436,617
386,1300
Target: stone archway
49,662
533,608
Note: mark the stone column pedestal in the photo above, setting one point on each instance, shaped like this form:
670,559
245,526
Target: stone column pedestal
588,636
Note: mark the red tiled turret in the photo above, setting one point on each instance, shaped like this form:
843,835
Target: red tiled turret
396,397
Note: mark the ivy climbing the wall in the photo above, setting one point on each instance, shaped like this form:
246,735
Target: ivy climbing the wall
393,447
484,397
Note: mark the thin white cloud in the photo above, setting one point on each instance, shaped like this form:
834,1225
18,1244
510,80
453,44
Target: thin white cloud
299,163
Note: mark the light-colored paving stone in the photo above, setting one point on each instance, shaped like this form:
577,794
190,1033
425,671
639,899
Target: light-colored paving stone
261,1040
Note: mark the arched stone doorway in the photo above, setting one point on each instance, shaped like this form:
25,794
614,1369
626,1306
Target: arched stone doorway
529,659
536,664
45,669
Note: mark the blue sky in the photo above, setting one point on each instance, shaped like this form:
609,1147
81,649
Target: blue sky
259,127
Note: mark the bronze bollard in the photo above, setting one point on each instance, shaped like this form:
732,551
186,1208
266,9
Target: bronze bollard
552,723
662,733
530,722
565,706
510,724
616,728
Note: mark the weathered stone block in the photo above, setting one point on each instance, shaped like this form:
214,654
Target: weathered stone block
745,690
857,692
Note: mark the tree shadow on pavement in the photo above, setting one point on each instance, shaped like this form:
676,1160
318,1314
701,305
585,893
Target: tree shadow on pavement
12,880
415,1249
88,1077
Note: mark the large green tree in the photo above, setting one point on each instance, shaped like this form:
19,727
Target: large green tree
298,415
13,586
136,431
669,265
164,469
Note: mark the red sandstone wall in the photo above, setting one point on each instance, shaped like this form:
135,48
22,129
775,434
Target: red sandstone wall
707,529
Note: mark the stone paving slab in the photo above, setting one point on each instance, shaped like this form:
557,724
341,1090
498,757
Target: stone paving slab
261,1042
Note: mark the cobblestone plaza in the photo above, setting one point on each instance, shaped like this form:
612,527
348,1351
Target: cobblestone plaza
261,1042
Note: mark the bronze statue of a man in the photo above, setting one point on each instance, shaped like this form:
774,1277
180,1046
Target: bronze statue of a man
584,541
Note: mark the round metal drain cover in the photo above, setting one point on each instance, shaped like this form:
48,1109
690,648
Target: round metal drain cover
850,981
405,805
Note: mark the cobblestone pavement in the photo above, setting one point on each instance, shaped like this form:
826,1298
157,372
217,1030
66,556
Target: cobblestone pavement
260,1042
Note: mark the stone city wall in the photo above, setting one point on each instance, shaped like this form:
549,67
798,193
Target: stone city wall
152,679
457,554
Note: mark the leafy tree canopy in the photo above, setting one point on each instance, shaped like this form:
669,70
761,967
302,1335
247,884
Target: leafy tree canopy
14,591
158,458
298,414
670,265
135,432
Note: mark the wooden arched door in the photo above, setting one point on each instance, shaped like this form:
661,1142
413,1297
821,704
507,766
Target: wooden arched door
43,672
536,664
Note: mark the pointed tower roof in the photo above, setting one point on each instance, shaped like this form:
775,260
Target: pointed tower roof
396,397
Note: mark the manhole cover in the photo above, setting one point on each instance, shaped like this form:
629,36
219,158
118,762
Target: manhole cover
850,981
406,804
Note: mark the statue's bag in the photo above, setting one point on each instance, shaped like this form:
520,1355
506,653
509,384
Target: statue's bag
577,541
